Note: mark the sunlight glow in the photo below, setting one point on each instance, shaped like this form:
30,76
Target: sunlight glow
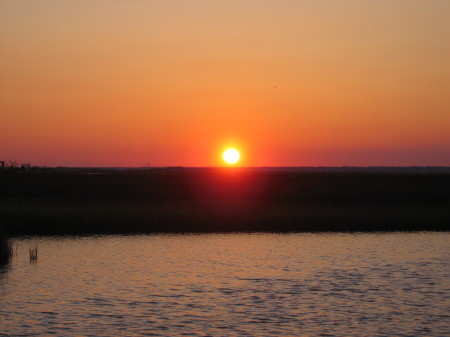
231,156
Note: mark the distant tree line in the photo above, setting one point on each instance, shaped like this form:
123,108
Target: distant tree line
14,166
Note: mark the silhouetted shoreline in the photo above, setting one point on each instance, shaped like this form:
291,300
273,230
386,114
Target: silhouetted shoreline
80,201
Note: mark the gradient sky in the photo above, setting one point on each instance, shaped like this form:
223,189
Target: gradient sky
288,82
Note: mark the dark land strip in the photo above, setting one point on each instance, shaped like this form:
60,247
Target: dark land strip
180,200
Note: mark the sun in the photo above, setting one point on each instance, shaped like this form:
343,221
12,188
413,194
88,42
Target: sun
231,156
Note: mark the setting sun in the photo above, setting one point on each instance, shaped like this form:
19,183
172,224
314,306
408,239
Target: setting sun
231,156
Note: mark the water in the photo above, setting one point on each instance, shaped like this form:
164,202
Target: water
230,285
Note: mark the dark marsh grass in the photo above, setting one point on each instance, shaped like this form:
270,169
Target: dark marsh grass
6,249
62,202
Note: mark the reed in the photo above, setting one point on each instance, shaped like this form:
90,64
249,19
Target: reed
33,253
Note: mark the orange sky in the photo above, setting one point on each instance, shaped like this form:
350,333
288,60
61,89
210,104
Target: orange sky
289,83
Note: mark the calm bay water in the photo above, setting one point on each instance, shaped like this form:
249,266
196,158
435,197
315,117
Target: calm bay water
394,284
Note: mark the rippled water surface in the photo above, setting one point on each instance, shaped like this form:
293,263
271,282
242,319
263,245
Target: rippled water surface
230,285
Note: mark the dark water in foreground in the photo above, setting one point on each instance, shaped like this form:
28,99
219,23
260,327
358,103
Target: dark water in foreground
230,285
